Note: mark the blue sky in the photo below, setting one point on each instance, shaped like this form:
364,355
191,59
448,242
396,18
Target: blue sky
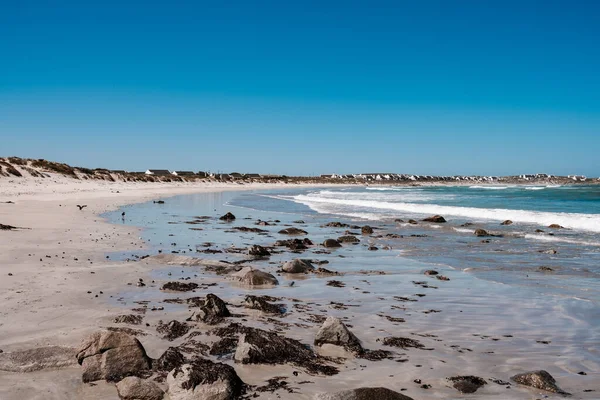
431,87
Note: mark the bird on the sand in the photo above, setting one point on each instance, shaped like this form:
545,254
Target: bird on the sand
81,207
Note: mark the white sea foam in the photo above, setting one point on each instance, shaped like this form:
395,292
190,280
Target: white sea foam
587,222
560,239
535,187
489,187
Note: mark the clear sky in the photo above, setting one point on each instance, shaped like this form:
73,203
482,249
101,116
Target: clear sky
304,87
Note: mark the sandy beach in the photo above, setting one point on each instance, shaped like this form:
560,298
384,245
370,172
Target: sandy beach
58,287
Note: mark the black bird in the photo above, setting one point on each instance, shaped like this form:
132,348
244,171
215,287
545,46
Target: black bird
81,207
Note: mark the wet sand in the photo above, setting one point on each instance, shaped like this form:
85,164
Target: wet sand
467,326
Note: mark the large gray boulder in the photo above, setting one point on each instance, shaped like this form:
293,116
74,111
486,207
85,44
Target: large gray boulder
540,380
375,393
134,388
333,331
111,356
204,380
254,277
297,266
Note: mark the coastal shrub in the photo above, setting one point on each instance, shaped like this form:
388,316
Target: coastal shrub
54,167
10,169
17,161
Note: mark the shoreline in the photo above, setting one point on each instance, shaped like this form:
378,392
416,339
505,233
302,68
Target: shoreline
54,297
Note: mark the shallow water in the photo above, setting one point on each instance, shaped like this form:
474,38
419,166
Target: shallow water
488,319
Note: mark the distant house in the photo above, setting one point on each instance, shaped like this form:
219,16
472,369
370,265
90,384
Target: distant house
182,173
158,172
252,176
236,175
327,176
202,174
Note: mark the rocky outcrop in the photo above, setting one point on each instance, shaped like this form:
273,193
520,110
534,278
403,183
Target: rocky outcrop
481,233
348,239
467,384
227,217
171,358
507,222
257,346
213,311
374,393
366,230
179,286
555,226
293,231
258,251
37,359
111,356
436,218
254,277
335,224
331,243
173,329
204,380
297,266
261,303
333,331
540,380
295,244
134,388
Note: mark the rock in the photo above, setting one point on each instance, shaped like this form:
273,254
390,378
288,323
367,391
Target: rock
37,359
224,346
348,239
336,224
467,384
261,303
333,331
507,222
227,217
412,222
404,343
179,286
258,251
366,230
481,233
431,272
213,311
545,269
134,388
257,346
292,231
173,329
539,231
111,356
128,319
295,244
254,277
204,380
373,248
331,243
555,226
539,380
297,266
171,358
374,393
436,218
398,220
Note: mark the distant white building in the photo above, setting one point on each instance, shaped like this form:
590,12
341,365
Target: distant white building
182,173
157,172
